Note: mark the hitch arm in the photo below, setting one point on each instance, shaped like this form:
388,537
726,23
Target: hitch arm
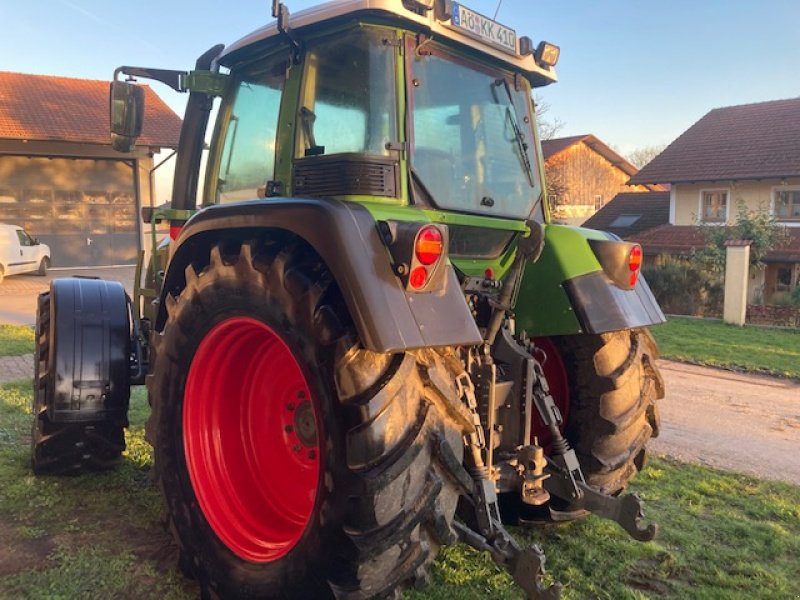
626,509
525,565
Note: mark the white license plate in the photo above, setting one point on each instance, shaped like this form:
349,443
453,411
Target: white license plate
484,29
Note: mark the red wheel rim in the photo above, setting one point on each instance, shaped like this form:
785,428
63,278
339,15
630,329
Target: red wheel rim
250,434
556,373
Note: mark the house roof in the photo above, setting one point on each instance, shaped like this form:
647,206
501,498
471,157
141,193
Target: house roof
751,141
556,146
46,107
630,213
682,239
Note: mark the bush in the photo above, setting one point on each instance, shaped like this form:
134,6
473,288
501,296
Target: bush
787,298
682,288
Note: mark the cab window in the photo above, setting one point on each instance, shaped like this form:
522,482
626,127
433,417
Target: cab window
247,160
348,98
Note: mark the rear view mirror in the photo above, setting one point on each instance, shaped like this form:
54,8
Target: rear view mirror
126,108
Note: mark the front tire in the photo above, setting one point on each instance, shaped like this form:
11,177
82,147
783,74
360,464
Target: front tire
44,264
348,499
65,448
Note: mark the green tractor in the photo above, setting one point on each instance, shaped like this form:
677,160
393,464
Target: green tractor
365,340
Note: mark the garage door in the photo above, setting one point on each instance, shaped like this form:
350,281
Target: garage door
84,209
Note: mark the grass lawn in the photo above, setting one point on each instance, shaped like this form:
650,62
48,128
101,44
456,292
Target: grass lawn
16,340
717,344
100,536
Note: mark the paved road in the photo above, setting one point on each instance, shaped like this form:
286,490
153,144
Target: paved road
18,292
737,422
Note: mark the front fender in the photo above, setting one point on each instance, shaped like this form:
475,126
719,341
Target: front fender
345,236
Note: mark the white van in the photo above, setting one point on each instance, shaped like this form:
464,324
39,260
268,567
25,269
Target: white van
20,253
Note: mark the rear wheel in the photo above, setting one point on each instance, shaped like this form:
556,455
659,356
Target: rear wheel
293,463
614,385
44,264
606,386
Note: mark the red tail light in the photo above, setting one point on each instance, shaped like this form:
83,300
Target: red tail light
175,231
428,246
418,278
634,264
635,258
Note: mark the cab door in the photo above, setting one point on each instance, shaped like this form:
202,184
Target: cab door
26,252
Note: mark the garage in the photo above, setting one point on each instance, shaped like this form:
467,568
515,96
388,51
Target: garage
61,180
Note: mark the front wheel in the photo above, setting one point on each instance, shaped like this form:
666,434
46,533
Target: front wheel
293,463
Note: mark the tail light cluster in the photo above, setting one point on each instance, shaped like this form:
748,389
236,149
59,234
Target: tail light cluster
418,252
621,261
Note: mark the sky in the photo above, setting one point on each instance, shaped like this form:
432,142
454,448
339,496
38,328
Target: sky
633,73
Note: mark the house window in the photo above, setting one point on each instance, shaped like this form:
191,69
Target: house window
553,199
714,206
787,205
625,220
598,201
783,279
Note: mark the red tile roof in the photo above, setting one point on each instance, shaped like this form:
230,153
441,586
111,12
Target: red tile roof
650,208
45,107
682,239
751,141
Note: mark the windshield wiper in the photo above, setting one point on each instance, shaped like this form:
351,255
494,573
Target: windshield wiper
519,137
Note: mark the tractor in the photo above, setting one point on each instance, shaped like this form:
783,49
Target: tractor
363,338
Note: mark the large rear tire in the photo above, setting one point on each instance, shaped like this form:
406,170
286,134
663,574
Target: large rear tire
614,386
293,463
607,386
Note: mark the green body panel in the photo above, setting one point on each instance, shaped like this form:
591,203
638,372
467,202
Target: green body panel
542,307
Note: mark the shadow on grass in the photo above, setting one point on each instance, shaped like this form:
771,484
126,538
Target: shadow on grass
99,535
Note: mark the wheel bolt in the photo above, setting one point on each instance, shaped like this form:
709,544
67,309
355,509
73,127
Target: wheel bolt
296,448
301,394
288,429
290,406
312,454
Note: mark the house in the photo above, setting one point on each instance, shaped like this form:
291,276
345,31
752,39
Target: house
738,155
583,174
59,176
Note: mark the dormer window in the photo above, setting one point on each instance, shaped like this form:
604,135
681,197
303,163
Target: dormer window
714,206
786,204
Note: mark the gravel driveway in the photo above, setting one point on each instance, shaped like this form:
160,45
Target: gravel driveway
733,421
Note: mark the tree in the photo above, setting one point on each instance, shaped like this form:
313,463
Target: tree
756,225
641,156
548,128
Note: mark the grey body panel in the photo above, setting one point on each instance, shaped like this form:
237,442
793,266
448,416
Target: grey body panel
601,306
387,318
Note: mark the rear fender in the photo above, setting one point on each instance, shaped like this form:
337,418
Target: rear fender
567,290
346,237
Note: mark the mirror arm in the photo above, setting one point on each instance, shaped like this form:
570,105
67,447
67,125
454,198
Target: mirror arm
173,79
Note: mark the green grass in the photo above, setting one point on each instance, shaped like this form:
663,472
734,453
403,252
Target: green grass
717,344
16,340
101,536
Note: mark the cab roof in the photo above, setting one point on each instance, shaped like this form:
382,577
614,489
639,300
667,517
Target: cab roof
397,11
